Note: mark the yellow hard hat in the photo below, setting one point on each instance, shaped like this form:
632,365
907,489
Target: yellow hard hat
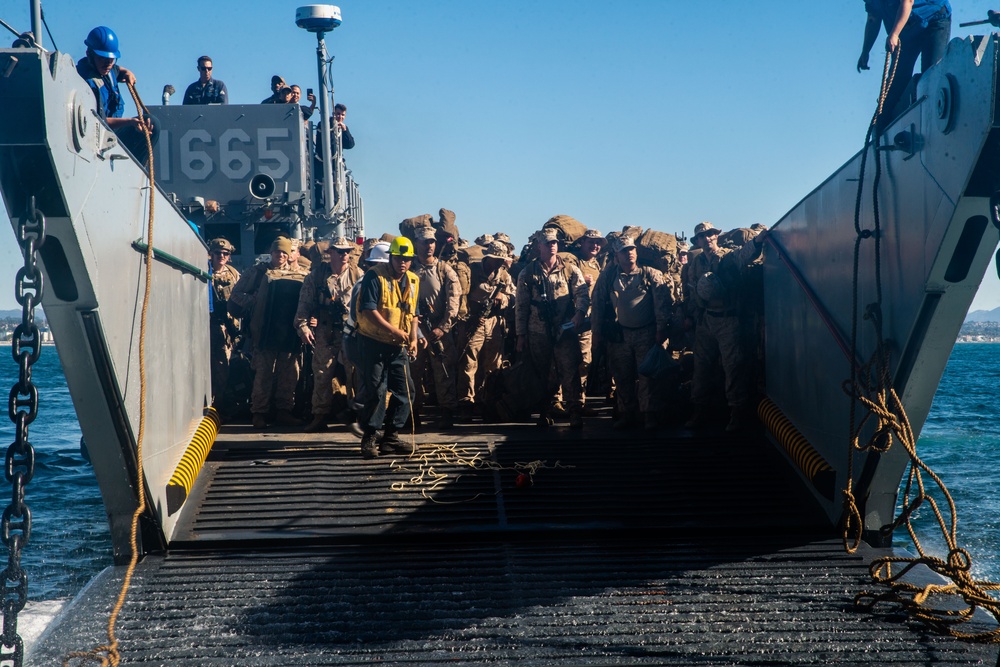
402,247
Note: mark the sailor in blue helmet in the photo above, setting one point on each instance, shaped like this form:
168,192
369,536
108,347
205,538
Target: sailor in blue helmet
101,71
913,28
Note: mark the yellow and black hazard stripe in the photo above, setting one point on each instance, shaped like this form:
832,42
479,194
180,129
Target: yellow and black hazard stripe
804,455
190,464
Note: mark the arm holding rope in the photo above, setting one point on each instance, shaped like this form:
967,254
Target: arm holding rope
902,16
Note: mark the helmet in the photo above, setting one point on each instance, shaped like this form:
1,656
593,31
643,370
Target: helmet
379,254
103,41
402,247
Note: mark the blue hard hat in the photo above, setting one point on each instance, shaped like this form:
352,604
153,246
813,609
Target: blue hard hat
103,41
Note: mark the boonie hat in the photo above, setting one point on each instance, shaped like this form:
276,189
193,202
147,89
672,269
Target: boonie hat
703,228
497,250
622,242
221,244
485,240
340,243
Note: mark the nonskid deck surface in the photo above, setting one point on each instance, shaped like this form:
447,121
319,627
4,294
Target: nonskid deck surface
273,488
576,601
625,549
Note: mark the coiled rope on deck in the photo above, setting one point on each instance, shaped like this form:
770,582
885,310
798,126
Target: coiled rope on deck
870,386
109,654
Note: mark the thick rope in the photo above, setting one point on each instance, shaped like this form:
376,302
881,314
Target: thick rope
109,654
871,387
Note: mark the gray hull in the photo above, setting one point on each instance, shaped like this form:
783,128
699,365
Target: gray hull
96,199
938,236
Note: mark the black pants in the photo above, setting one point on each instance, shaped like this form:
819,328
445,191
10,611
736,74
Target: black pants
929,45
384,368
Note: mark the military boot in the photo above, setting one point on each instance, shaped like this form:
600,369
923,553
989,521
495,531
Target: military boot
317,425
446,420
576,419
259,421
369,444
391,443
286,418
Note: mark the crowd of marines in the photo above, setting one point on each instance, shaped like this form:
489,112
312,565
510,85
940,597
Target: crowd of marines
374,333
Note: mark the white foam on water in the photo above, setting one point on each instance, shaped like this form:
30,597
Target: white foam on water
35,617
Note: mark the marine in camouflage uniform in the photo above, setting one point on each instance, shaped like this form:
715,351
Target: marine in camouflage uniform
631,312
323,305
550,294
714,289
491,293
585,257
440,298
224,326
276,370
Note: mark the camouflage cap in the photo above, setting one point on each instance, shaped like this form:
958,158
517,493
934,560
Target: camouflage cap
594,235
497,250
503,237
622,242
703,228
424,234
547,234
221,244
682,246
485,240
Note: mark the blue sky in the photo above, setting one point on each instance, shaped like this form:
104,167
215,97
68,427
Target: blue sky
657,113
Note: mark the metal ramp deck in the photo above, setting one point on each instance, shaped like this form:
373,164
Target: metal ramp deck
633,550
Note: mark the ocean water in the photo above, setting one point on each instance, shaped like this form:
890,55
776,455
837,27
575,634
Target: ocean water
961,443
70,542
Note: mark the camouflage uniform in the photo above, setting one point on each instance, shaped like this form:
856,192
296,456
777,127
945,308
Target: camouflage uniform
276,370
591,268
484,337
440,296
719,334
629,311
327,298
224,327
545,301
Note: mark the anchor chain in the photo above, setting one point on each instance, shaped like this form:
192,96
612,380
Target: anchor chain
26,347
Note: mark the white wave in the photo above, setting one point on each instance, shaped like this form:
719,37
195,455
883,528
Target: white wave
35,617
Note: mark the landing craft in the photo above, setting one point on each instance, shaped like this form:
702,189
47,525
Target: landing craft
938,182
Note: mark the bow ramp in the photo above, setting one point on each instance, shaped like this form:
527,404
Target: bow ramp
938,187
96,201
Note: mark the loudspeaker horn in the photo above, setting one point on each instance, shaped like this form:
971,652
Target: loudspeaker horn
261,186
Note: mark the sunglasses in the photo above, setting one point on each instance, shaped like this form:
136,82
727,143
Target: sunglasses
204,69
339,251
223,253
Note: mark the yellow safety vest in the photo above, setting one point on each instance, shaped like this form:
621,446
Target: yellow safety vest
396,306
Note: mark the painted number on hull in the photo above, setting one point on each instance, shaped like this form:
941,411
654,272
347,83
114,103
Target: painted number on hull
234,154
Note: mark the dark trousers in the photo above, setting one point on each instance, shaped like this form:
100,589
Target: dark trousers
134,140
384,368
929,45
